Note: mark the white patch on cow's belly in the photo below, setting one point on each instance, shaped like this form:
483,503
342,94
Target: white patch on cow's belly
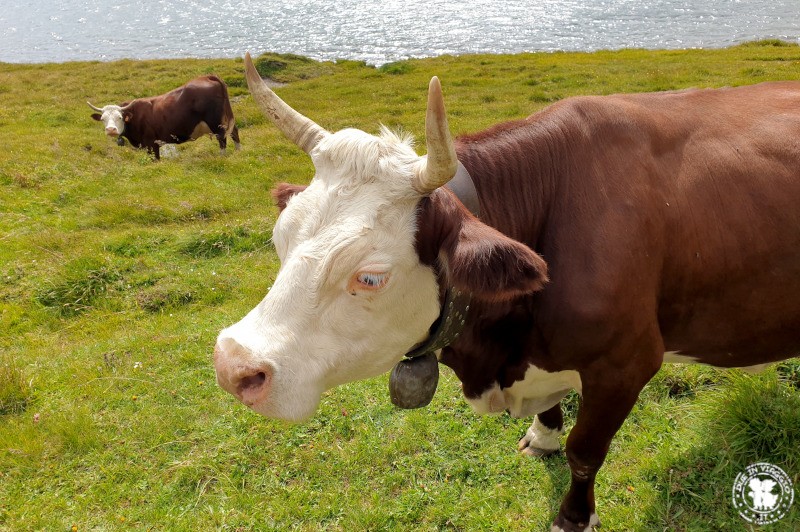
491,401
538,391
200,130
674,357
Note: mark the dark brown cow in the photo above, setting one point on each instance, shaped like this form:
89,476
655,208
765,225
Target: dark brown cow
669,224
201,107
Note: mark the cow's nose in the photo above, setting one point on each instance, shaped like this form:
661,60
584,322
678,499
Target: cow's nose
112,131
237,374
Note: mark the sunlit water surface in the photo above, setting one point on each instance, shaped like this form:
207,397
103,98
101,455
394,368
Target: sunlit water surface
376,31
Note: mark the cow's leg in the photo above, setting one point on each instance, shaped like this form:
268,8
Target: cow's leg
542,438
235,137
223,142
608,397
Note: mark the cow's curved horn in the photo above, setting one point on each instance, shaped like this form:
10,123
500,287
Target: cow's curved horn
441,163
93,107
299,129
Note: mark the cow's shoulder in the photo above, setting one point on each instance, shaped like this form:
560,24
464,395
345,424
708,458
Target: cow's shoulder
140,110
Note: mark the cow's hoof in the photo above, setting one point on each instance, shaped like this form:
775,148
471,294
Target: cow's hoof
536,452
540,441
562,524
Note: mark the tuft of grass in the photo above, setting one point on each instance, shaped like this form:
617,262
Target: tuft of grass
160,297
136,245
396,69
15,391
286,68
84,282
74,431
682,381
237,240
789,372
743,419
779,43
757,417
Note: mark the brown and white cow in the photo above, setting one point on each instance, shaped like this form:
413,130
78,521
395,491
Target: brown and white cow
669,223
201,107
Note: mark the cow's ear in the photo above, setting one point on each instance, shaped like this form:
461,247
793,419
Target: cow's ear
127,116
284,191
96,116
478,258
492,266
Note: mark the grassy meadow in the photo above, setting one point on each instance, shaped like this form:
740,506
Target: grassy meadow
117,272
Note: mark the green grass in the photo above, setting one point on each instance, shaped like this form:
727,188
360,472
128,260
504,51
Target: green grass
117,272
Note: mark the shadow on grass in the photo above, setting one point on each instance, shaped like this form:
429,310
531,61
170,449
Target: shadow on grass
558,470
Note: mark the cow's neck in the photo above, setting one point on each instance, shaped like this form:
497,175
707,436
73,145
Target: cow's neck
514,167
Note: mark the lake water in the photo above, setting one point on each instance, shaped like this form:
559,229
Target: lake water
378,31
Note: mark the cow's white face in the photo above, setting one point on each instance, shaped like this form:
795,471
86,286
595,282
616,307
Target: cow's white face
351,297
112,118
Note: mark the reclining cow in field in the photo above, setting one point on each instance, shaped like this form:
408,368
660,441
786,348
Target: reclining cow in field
615,233
201,107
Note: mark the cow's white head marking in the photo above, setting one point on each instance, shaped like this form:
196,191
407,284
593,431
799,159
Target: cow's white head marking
113,118
351,296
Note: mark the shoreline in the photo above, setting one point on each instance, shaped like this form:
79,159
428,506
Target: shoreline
778,41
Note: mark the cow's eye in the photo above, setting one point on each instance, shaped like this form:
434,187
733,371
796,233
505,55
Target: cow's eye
371,280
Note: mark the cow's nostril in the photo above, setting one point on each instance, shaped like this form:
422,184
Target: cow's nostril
239,374
254,388
253,382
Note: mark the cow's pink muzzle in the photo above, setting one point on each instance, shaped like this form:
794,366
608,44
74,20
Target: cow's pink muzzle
235,374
